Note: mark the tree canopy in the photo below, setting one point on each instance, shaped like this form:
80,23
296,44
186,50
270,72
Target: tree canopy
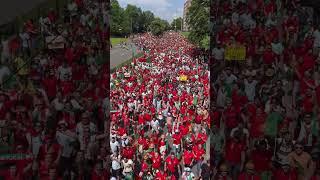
158,26
132,19
198,21
177,24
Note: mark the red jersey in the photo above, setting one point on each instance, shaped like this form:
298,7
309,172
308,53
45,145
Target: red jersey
188,157
172,163
279,174
261,160
244,176
161,176
198,153
156,162
233,151
177,138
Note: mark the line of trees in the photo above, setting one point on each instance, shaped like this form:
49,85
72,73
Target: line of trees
132,19
198,21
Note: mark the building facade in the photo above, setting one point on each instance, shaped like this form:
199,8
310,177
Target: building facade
187,4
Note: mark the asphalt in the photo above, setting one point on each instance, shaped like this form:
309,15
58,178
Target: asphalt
119,54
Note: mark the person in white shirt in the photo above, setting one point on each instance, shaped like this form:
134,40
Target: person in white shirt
250,88
26,43
58,102
188,174
241,129
64,72
35,140
235,18
316,42
4,72
65,138
115,146
229,77
116,165
85,130
271,21
218,53
127,167
155,124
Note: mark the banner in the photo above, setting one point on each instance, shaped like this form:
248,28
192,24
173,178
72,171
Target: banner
183,78
235,53
15,157
55,42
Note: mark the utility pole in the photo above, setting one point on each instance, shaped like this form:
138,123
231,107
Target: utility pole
181,24
175,25
131,27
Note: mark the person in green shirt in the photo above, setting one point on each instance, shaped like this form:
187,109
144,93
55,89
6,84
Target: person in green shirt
272,122
217,142
21,65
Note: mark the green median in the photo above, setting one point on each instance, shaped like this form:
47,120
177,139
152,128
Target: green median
116,40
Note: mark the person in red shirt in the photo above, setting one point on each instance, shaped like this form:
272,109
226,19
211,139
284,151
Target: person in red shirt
285,173
49,155
235,154
249,173
156,161
177,141
98,172
160,175
231,117
261,158
268,56
198,153
172,165
50,83
188,158
12,173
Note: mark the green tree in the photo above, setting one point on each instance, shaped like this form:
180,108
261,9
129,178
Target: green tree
158,26
116,18
133,16
132,19
147,18
176,24
198,22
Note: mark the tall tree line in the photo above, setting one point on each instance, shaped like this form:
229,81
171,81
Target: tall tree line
132,19
198,21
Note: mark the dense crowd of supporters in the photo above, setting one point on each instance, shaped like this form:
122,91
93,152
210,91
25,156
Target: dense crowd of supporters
53,96
265,109
159,118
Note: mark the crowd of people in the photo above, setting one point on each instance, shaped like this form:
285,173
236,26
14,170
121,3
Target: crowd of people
265,108
159,112
54,95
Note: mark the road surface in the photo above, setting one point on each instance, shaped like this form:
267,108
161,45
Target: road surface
119,55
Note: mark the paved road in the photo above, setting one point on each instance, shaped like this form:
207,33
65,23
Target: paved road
119,55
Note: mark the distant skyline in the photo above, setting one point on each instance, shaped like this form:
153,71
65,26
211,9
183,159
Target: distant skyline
165,9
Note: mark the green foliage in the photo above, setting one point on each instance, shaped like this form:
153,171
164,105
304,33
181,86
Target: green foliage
176,24
131,19
198,21
116,20
115,41
158,26
185,34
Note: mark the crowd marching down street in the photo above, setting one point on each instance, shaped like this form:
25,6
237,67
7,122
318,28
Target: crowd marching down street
160,119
